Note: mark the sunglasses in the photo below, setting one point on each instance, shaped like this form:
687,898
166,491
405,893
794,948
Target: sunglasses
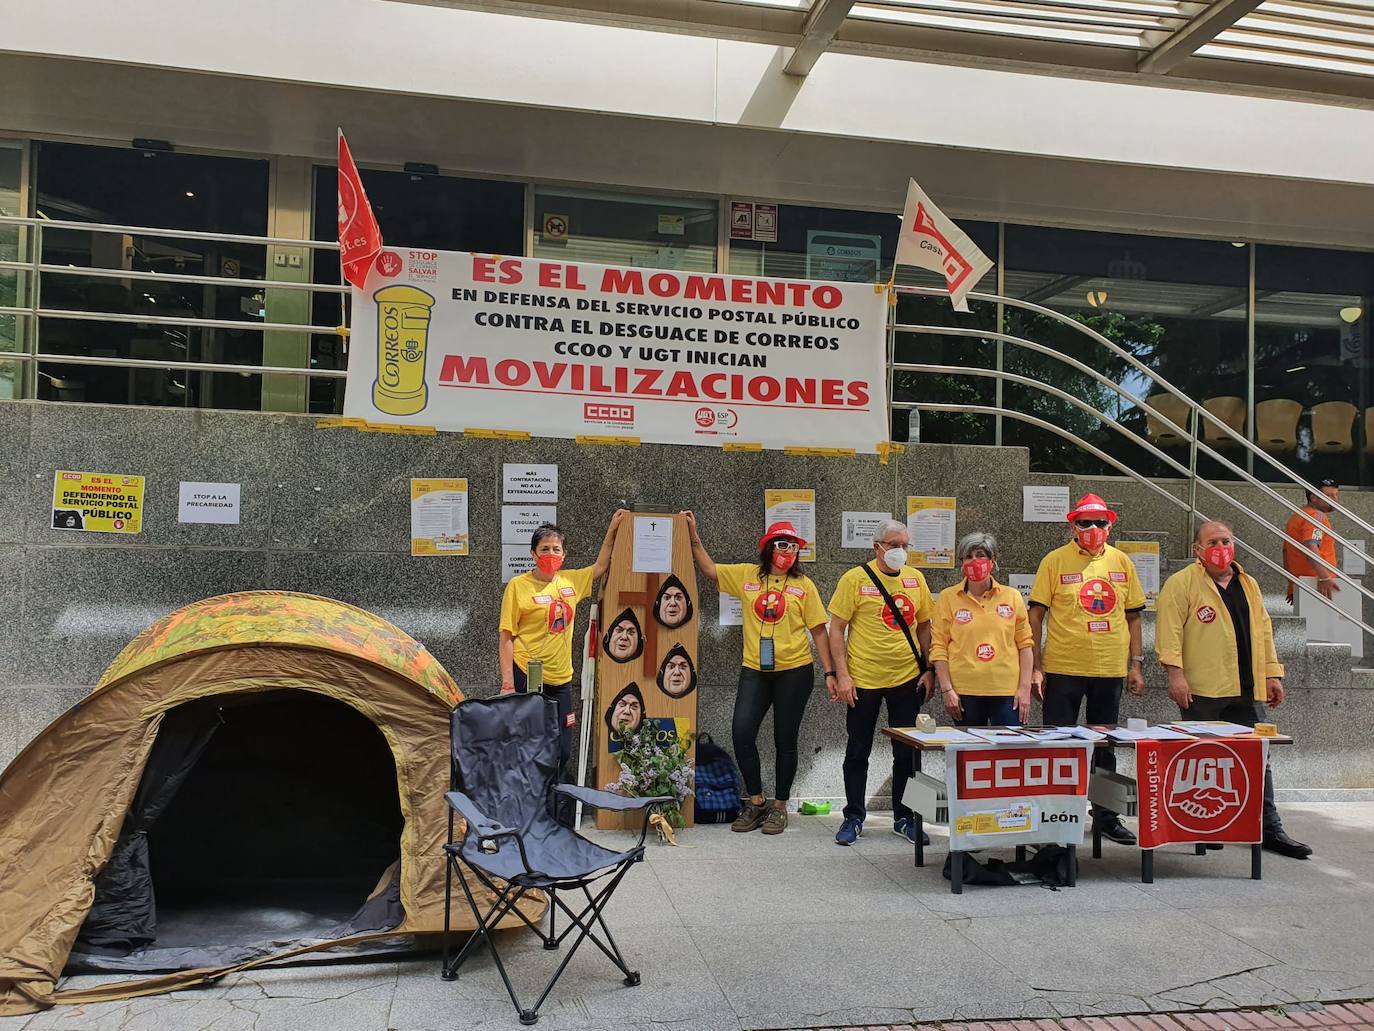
1083,524
784,545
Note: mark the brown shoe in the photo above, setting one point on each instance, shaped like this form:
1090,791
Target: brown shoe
750,817
776,821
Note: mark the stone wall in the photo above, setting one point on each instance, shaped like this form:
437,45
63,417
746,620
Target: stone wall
327,511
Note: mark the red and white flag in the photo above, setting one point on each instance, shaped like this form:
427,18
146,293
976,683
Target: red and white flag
932,241
360,238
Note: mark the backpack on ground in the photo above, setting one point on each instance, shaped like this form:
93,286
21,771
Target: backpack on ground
1049,866
717,787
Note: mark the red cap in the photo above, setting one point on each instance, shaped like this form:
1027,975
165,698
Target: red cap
781,531
1093,506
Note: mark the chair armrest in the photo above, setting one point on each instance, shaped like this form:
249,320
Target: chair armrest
608,799
477,821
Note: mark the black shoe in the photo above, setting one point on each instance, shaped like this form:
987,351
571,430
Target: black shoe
1213,848
1280,842
1113,828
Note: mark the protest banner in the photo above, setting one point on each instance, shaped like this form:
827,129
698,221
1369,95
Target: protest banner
463,341
1200,791
1006,795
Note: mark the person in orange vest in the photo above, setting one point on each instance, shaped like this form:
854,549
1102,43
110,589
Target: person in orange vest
1090,596
1312,529
1216,642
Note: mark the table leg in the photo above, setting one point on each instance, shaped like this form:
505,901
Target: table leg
1020,853
920,838
1073,867
1147,866
1199,850
1097,837
1256,852
956,873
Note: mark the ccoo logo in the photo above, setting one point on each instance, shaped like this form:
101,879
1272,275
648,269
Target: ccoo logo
1206,787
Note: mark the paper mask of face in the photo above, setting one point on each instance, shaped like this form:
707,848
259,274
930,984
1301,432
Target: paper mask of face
894,558
1219,556
782,562
1092,538
976,570
549,564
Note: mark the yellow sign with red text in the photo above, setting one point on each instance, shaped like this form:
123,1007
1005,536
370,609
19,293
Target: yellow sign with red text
97,502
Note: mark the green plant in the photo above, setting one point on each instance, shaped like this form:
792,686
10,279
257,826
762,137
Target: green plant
654,761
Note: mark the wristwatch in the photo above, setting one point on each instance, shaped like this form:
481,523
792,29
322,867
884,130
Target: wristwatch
830,673
1138,658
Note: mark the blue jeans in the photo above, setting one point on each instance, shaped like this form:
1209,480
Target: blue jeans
984,711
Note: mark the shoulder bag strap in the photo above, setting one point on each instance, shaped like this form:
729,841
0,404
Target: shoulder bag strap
898,616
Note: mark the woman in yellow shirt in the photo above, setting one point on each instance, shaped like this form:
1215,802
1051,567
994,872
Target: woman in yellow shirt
980,642
537,624
781,605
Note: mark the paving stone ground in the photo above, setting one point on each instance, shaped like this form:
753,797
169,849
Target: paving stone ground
738,932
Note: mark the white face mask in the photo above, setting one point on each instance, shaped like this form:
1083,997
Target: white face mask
894,558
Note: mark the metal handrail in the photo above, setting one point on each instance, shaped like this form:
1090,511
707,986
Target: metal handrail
173,234
157,363
77,315
93,272
1103,456
1190,474
1151,375
1135,438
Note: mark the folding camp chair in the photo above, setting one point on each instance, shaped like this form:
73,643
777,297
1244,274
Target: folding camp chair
505,760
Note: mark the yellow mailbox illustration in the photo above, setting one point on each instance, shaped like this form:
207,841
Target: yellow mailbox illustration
403,317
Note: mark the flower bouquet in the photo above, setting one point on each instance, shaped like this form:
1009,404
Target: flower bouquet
652,763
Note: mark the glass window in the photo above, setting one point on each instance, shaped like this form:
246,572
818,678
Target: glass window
195,192
11,326
1177,307
1312,362
625,229
438,212
822,243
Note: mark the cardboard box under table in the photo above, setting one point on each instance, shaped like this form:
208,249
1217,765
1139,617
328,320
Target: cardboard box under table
1008,793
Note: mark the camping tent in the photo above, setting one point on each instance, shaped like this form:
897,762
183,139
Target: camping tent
255,776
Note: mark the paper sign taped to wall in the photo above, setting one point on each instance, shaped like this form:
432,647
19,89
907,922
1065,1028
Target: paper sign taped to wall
439,517
930,524
208,503
1145,556
731,610
797,507
518,522
97,502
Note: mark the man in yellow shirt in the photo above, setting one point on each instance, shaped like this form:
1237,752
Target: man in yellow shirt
1215,640
876,663
1092,598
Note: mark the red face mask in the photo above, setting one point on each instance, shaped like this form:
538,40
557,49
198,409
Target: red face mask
1092,538
976,570
1219,556
549,564
782,562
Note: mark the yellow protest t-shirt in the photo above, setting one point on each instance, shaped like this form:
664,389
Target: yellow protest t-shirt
876,649
1194,630
981,638
540,617
1088,598
784,608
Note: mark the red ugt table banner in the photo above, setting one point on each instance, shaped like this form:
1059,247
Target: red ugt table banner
1200,791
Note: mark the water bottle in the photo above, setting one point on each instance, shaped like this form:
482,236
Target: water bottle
913,425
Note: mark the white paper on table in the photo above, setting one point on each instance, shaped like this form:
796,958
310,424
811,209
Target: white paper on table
1023,582
1148,734
943,736
653,544
731,610
515,559
857,528
996,734
529,483
1040,504
1066,734
1212,728
518,522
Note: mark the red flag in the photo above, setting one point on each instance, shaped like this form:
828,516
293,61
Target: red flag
360,238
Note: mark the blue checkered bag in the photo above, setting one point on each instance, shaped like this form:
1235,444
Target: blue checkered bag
717,786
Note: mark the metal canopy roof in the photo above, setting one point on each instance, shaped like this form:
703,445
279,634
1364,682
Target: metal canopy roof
1311,46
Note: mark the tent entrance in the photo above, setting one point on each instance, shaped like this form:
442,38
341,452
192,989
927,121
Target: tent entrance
265,818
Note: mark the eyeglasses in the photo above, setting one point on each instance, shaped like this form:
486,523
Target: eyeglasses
784,545
1083,524
888,545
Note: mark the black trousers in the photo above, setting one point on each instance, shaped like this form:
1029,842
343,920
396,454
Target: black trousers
785,692
564,808
1245,710
1065,693
988,711
903,703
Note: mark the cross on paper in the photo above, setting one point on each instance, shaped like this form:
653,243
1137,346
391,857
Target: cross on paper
645,598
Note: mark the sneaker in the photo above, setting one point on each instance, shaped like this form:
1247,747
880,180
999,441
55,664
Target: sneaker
1113,828
776,820
905,827
850,831
750,817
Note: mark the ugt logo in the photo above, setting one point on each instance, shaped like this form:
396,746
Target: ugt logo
1206,787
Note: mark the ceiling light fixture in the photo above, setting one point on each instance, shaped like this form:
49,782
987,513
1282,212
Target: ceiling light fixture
1296,368
1097,298
1351,314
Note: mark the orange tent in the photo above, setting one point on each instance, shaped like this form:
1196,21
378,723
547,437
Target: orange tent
84,798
